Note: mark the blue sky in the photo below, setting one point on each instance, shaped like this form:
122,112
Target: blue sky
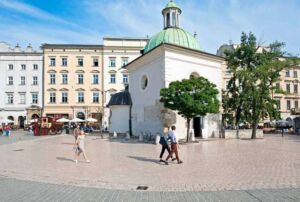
87,21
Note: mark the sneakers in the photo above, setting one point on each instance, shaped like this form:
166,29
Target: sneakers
88,161
180,162
161,161
76,161
173,159
166,162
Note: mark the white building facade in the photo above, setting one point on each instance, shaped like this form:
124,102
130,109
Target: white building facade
21,94
171,55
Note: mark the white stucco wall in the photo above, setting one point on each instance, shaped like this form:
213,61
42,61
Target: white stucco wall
119,119
145,112
180,66
162,66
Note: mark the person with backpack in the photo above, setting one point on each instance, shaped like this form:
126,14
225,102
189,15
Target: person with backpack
164,144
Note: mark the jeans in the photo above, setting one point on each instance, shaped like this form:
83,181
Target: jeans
163,149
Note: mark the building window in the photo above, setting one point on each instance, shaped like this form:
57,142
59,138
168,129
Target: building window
287,73
288,88
80,78
35,80
113,78
95,62
80,97
10,98
52,79
124,61
65,79
64,97
10,80
23,81
296,88
125,78
64,62
295,74
10,67
288,105
95,79
95,97
296,104
52,97
22,98
52,62
80,62
112,62
35,67
23,67
144,82
278,104
277,86
34,98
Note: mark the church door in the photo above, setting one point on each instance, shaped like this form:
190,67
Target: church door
197,127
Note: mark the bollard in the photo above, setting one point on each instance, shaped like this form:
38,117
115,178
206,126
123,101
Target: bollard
115,135
157,138
141,138
127,136
192,135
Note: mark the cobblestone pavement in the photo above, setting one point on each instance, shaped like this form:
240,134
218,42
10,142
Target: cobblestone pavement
18,190
16,136
226,166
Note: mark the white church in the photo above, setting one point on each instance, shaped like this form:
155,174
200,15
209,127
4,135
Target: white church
170,55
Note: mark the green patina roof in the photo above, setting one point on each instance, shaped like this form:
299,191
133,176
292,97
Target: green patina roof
176,36
172,4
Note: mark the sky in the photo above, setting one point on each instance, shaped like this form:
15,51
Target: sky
216,22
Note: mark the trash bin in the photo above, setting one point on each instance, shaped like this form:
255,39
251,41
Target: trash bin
67,130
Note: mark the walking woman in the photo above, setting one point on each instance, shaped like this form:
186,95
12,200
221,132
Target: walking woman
80,147
164,144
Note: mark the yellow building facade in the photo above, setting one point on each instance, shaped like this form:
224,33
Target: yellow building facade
73,81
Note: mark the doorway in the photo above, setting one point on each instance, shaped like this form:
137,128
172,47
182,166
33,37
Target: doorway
198,126
21,120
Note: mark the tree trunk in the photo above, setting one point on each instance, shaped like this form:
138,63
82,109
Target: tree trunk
188,130
254,126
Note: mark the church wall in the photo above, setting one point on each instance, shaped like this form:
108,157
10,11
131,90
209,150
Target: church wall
119,119
146,108
180,66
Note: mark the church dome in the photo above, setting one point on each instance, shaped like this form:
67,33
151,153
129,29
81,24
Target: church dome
176,36
172,33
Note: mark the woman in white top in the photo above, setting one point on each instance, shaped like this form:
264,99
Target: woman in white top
80,147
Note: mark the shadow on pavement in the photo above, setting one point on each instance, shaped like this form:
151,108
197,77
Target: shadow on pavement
139,158
64,159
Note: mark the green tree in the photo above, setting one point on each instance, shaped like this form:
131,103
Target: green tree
255,70
191,98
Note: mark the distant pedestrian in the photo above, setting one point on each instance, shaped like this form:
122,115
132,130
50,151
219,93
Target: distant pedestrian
164,144
76,132
174,145
80,147
7,130
30,130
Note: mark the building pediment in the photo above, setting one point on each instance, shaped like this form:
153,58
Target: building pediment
64,89
52,71
112,71
79,71
64,71
112,90
95,89
95,71
51,89
79,89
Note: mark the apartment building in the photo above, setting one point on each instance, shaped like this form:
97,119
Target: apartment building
21,87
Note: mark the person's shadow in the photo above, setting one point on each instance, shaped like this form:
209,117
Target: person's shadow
145,159
64,159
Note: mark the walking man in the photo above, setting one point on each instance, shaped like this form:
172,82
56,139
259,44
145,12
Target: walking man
174,145
164,144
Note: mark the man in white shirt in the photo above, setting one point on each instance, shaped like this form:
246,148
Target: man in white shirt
174,145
